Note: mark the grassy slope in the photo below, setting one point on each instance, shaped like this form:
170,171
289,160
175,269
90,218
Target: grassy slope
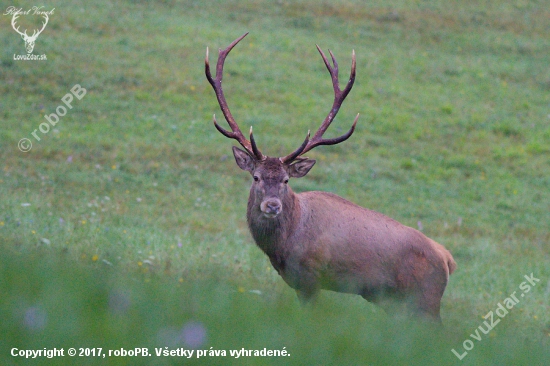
454,133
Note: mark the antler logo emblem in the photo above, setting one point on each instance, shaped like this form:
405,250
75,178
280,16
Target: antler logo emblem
29,40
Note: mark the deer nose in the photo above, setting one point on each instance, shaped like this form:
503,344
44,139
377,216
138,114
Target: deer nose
271,207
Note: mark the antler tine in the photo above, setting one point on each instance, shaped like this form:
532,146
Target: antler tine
255,150
13,19
249,146
339,96
45,16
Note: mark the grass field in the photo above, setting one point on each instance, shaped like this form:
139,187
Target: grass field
125,225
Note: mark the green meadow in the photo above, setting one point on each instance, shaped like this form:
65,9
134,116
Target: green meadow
124,226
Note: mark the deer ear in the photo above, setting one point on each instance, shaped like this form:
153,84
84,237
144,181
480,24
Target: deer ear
300,168
244,161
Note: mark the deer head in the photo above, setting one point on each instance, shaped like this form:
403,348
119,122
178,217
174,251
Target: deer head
29,40
270,174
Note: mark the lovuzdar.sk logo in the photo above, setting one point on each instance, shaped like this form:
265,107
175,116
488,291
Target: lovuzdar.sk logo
29,40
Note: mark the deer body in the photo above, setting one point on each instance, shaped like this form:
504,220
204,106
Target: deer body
318,240
357,251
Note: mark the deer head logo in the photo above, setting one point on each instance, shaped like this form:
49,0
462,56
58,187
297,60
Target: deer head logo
29,40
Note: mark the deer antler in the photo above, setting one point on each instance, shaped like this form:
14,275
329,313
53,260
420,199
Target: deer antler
13,19
249,146
339,96
36,33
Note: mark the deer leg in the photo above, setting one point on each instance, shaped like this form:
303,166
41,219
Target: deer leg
428,307
306,297
428,301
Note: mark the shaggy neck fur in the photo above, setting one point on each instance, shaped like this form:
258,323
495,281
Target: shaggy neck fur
271,234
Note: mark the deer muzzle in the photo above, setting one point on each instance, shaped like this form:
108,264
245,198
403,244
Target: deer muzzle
271,207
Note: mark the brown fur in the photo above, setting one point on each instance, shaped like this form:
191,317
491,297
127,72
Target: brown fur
322,241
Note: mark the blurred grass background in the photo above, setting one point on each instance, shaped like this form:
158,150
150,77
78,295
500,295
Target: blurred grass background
125,225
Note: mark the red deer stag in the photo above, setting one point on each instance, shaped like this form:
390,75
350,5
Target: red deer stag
318,240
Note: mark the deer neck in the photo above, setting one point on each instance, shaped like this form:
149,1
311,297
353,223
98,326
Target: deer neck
271,234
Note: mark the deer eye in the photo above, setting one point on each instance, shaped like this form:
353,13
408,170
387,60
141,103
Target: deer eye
285,181
256,178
